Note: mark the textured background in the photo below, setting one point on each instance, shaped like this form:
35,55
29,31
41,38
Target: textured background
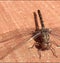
18,15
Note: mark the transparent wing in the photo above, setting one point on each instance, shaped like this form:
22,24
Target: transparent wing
55,36
14,45
13,39
13,34
55,32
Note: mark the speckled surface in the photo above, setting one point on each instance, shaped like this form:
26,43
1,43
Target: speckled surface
18,15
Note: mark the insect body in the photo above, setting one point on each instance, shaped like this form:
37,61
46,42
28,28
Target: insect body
43,39
45,44
44,36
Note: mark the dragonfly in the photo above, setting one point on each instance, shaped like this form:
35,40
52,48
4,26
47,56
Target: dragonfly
19,38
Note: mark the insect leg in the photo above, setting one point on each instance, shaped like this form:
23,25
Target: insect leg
53,42
32,46
39,53
53,51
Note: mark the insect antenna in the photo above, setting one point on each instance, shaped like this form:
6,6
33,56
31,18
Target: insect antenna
41,20
35,19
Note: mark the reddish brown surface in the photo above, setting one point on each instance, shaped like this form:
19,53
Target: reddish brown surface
19,15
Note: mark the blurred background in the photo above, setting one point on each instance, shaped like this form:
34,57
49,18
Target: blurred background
19,15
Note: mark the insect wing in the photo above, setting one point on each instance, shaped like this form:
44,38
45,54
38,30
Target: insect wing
13,34
19,38
55,32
